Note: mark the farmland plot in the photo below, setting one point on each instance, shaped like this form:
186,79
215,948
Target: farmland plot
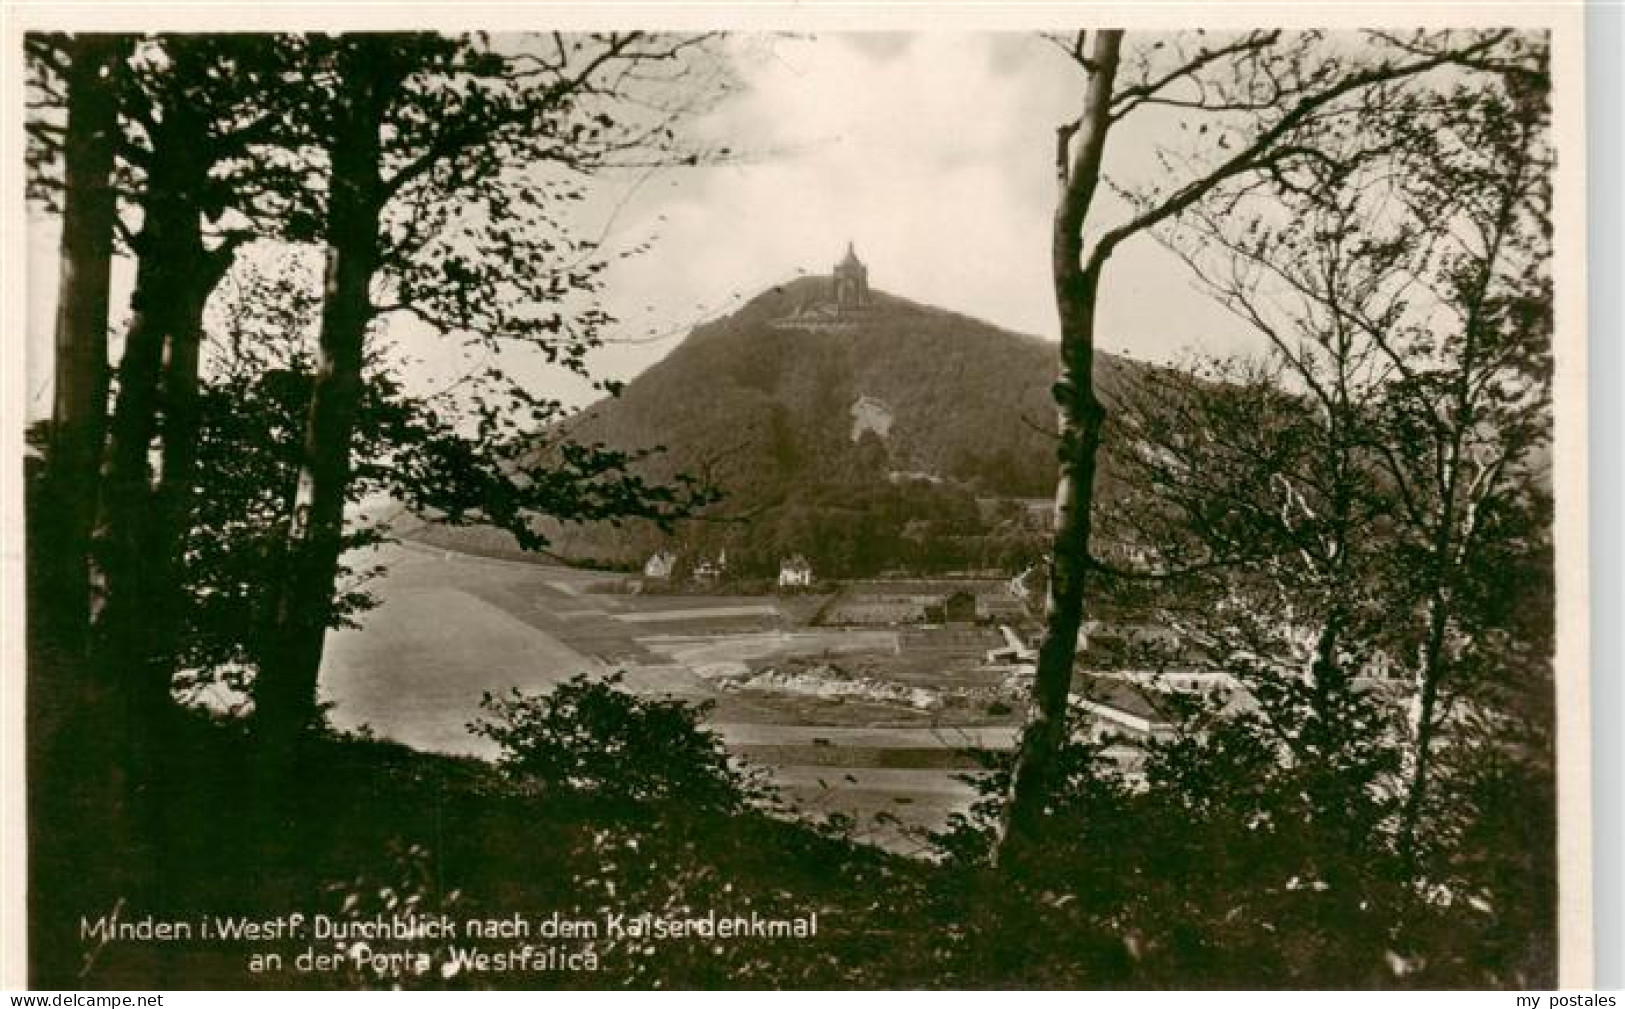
408,677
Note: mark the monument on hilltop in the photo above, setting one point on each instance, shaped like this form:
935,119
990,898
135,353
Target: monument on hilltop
840,305
851,282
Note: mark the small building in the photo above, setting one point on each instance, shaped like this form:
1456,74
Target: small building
660,565
795,573
711,569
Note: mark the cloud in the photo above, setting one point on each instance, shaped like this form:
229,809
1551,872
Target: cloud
933,152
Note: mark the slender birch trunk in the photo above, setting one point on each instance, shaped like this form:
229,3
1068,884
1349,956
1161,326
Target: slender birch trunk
1079,153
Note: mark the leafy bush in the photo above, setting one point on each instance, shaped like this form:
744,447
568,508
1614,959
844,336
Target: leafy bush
1089,790
1219,862
590,738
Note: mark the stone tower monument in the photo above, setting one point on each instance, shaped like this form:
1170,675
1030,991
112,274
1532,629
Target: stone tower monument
851,282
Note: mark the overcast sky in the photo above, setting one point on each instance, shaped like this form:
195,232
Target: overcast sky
933,153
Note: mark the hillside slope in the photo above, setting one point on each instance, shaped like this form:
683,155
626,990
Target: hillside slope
898,412
752,394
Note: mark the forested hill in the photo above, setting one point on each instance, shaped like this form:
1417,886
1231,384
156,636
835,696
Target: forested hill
805,418
766,400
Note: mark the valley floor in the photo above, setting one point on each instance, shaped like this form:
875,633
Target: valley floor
888,736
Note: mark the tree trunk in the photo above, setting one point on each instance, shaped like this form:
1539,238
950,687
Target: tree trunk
1429,673
79,411
163,545
133,698
285,694
75,743
1445,558
171,266
1080,418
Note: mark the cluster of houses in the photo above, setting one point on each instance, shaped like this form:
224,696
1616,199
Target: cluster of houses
876,602
709,569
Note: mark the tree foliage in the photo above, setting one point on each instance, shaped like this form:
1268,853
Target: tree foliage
1263,111
589,739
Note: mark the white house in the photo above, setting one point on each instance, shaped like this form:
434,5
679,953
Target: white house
660,565
795,573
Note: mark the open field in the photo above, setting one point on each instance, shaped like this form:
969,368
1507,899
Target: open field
453,626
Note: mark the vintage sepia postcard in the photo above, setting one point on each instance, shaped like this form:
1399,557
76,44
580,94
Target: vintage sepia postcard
795,496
